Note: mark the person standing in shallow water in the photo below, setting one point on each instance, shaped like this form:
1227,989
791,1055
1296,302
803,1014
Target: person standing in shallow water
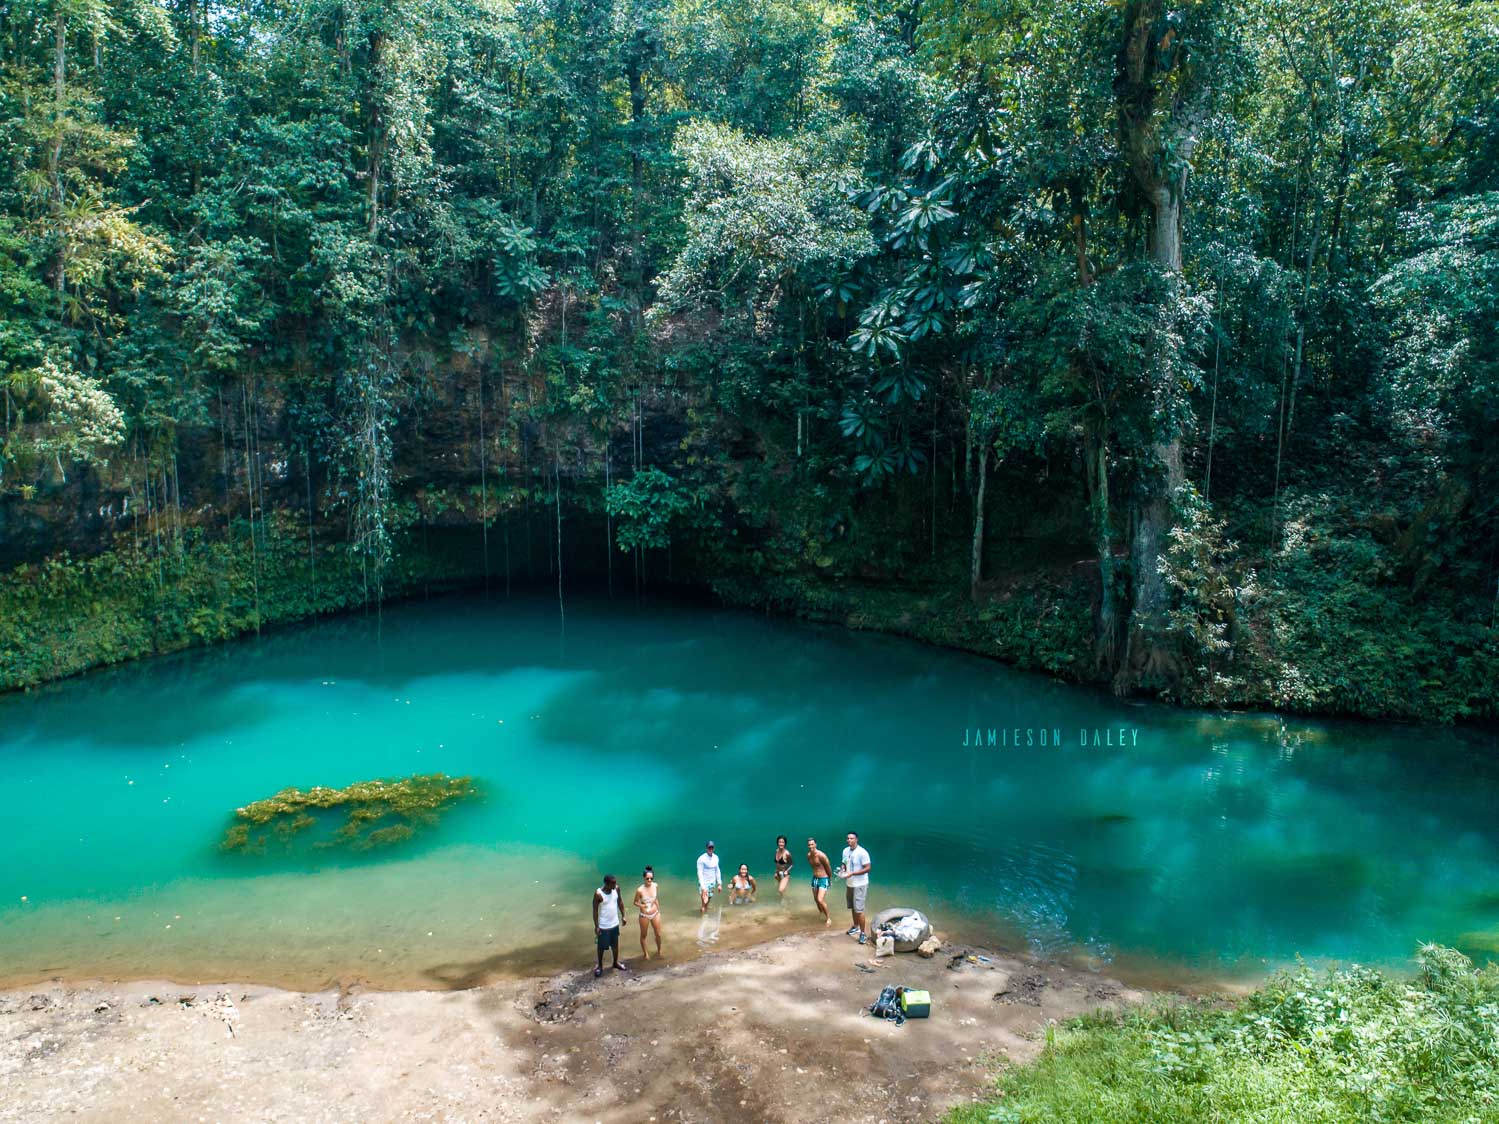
607,915
742,888
650,909
822,874
783,867
854,871
709,875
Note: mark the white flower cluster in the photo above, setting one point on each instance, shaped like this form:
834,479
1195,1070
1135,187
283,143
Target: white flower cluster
83,417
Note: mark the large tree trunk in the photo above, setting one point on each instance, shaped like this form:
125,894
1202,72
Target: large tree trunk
1148,659
1155,516
1148,132
1166,226
1106,624
977,572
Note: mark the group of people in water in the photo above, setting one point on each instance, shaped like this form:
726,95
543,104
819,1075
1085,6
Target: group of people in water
609,910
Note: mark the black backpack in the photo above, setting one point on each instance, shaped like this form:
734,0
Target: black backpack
887,1006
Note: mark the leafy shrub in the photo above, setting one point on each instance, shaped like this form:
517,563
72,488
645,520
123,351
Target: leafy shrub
1330,631
1204,617
646,506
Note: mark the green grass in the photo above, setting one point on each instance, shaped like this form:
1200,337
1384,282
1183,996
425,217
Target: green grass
1347,1045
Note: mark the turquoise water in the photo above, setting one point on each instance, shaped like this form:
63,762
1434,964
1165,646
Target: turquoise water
1211,842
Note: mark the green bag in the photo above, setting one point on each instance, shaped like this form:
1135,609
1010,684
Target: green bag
916,1004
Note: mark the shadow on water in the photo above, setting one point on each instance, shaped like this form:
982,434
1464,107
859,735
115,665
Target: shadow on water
628,646
540,957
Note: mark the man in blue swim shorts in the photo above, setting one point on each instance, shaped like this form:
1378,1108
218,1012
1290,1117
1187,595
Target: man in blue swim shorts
822,873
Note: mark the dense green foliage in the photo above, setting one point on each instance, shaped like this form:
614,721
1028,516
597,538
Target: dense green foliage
1348,1045
66,615
1185,314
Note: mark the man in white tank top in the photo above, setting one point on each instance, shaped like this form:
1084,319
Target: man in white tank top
607,914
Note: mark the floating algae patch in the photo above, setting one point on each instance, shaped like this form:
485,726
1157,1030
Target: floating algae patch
376,813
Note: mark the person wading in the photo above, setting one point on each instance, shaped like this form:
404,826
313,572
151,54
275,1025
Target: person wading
607,915
742,888
783,863
709,875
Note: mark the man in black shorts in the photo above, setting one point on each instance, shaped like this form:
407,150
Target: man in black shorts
607,914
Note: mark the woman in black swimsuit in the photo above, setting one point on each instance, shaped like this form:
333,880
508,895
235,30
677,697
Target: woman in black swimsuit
783,866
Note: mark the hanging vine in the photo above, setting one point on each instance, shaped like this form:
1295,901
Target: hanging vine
366,394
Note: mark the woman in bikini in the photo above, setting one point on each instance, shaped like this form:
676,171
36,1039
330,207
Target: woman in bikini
783,866
742,888
650,910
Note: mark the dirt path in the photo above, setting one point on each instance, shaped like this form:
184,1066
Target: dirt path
770,1033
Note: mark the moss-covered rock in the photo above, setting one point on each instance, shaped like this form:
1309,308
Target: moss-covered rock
377,813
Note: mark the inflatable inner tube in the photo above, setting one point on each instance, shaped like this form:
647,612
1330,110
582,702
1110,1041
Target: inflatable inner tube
890,916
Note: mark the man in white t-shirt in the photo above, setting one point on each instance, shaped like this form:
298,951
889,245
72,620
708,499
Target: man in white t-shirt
855,875
709,878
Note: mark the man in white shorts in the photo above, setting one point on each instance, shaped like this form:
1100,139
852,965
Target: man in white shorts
855,875
709,877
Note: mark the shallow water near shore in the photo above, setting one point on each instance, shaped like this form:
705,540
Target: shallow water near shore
1141,836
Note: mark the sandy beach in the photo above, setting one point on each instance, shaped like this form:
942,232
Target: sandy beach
772,1032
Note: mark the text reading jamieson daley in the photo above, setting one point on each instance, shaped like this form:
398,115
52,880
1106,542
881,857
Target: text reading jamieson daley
1049,737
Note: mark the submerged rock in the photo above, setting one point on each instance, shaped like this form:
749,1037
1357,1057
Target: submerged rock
377,812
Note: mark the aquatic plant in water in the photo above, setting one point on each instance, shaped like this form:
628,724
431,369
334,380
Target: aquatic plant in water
377,812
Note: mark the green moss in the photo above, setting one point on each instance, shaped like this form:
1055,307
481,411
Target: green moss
377,813
384,836
67,615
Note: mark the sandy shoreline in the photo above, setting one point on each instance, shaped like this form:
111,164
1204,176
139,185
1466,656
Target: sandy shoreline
772,1032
